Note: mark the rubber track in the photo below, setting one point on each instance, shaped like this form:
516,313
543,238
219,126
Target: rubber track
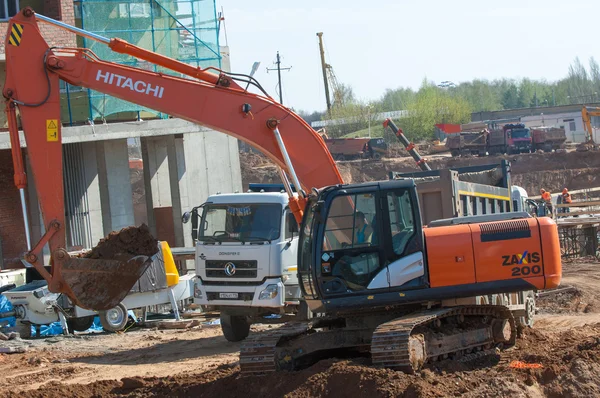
257,353
389,346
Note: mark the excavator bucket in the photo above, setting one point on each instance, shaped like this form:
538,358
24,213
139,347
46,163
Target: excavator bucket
100,284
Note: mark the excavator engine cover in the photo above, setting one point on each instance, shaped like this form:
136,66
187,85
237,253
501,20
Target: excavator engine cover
99,284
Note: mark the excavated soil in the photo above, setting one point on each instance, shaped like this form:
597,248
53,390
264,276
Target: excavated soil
561,357
130,241
552,171
569,368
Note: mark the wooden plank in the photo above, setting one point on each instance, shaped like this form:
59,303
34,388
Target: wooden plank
576,192
581,204
578,213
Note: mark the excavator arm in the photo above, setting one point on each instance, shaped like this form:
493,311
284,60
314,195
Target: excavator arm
213,100
586,115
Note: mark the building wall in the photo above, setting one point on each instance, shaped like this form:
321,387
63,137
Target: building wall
53,35
570,121
12,230
519,113
63,11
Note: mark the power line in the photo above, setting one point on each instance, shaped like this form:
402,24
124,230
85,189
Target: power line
279,69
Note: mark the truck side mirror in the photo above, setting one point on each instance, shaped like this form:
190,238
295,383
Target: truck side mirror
194,217
186,217
292,224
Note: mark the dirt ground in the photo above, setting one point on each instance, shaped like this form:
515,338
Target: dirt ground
564,343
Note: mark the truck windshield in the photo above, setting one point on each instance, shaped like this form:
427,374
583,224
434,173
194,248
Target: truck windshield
241,222
520,133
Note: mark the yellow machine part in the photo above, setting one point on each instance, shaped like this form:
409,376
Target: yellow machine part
170,267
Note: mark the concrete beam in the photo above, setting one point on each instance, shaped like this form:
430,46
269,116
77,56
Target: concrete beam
116,131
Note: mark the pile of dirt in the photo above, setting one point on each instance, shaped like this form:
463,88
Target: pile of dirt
552,171
132,241
564,302
564,364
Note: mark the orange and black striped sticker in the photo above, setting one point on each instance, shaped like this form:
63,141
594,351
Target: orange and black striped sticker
15,34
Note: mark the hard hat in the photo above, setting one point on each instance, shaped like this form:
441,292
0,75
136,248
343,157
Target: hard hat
542,190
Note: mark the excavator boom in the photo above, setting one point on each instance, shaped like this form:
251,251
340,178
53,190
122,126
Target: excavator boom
33,70
586,115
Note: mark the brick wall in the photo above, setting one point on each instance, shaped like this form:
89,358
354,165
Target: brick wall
53,35
12,231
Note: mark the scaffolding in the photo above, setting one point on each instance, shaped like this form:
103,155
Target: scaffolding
186,30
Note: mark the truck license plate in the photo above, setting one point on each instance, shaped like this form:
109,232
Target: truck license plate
228,295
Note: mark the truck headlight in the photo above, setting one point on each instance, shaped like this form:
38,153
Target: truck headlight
269,293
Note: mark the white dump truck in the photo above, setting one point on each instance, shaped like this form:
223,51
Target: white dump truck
246,258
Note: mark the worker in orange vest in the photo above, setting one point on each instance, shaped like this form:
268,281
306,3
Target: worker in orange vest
566,200
547,198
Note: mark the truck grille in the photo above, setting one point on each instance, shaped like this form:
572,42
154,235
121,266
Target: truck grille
211,296
231,269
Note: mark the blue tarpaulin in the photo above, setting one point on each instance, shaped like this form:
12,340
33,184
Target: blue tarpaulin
5,306
55,329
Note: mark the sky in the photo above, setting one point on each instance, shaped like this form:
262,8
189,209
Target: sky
385,44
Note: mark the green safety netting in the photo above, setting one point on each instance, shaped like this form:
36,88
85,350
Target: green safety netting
183,30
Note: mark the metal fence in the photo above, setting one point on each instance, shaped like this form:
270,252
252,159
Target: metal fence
579,241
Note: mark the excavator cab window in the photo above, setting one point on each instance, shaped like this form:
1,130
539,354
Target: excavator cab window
351,233
402,223
369,239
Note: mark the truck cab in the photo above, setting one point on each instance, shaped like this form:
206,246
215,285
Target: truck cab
246,257
518,138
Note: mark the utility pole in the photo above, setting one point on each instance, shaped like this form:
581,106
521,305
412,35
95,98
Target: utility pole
324,66
279,69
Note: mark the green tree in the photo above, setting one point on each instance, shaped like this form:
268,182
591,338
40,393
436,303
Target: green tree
433,105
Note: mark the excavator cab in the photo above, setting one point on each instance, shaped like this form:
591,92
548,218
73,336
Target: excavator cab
358,240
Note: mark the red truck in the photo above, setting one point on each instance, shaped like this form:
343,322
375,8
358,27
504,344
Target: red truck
356,148
512,138
548,138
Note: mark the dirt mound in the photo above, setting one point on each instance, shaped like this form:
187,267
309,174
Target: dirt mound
130,241
562,302
569,366
553,171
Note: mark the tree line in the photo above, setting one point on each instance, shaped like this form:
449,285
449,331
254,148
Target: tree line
454,103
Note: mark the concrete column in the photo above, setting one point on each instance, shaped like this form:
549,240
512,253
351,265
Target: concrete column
181,171
148,194
212,164
176,171
115,185
161,172
92,180
36,223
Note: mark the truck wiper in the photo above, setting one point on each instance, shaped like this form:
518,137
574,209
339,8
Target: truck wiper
259,238
209,237
238,239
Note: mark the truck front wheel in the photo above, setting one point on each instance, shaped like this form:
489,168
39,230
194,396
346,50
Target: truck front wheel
234,327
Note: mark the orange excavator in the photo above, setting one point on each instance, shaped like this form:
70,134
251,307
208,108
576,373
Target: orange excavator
375,279
586,116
